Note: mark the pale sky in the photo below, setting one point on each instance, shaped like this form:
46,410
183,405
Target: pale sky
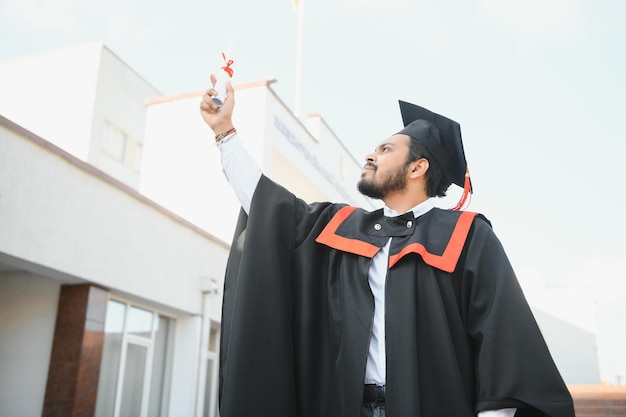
538,86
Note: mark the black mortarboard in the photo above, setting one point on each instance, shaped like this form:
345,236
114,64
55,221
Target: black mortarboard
442,137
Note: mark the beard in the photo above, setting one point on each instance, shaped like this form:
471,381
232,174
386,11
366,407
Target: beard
394,181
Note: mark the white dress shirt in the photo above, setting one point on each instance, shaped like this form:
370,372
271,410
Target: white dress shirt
243,174
376,368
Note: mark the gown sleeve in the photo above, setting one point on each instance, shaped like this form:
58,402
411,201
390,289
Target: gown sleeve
257,360
513,366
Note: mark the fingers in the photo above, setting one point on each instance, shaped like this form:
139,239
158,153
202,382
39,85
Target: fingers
218,117
207,104
230,91
229,101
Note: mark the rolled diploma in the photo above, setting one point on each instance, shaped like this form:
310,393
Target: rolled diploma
223,74
220,86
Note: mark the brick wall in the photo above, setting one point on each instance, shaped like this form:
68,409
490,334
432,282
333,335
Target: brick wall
599,400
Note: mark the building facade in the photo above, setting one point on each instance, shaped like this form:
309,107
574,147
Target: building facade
114,223
115,220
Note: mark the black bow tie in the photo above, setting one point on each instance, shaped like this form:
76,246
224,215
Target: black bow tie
403,225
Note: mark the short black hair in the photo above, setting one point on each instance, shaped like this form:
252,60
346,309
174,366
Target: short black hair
436,181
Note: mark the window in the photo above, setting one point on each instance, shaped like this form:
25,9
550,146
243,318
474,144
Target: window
123,148
212,374
114,142
209,377
136,362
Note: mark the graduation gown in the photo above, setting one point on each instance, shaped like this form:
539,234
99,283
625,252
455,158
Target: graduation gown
298,311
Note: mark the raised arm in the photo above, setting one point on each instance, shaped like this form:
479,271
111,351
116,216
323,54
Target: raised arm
240,169
219,119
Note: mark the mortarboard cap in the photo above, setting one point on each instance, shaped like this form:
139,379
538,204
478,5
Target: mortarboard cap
442,137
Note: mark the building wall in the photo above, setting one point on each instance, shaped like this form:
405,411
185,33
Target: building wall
574,350
187,370
76,220
319,156
566,317
69,212
40,92
83,99
63,221
181,167
119,116
28,305
150,225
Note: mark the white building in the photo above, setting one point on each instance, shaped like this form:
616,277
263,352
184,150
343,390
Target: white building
114,218
114,223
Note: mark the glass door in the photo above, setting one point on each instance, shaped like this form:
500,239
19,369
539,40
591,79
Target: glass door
136,362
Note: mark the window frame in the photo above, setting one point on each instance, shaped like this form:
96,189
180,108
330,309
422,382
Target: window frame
149,343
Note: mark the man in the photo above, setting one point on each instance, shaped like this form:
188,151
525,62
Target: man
410,310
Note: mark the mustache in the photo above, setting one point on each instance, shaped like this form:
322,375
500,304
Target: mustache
370,165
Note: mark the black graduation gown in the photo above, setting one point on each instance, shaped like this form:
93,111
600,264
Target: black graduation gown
298,312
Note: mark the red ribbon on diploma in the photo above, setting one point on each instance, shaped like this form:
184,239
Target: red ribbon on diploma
227,67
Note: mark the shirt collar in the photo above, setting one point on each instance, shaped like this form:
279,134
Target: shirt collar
422,208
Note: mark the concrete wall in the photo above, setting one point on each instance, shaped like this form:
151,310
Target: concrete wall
181,167
74,98
63,221
120,105
28,305
71,218
566,317
318,156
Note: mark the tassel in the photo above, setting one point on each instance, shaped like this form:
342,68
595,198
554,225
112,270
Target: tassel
467,193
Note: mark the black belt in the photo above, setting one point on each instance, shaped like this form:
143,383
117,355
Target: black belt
374,393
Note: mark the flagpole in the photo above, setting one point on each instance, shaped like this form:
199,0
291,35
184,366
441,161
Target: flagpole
298,90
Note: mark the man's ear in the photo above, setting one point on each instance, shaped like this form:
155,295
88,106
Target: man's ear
418,168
